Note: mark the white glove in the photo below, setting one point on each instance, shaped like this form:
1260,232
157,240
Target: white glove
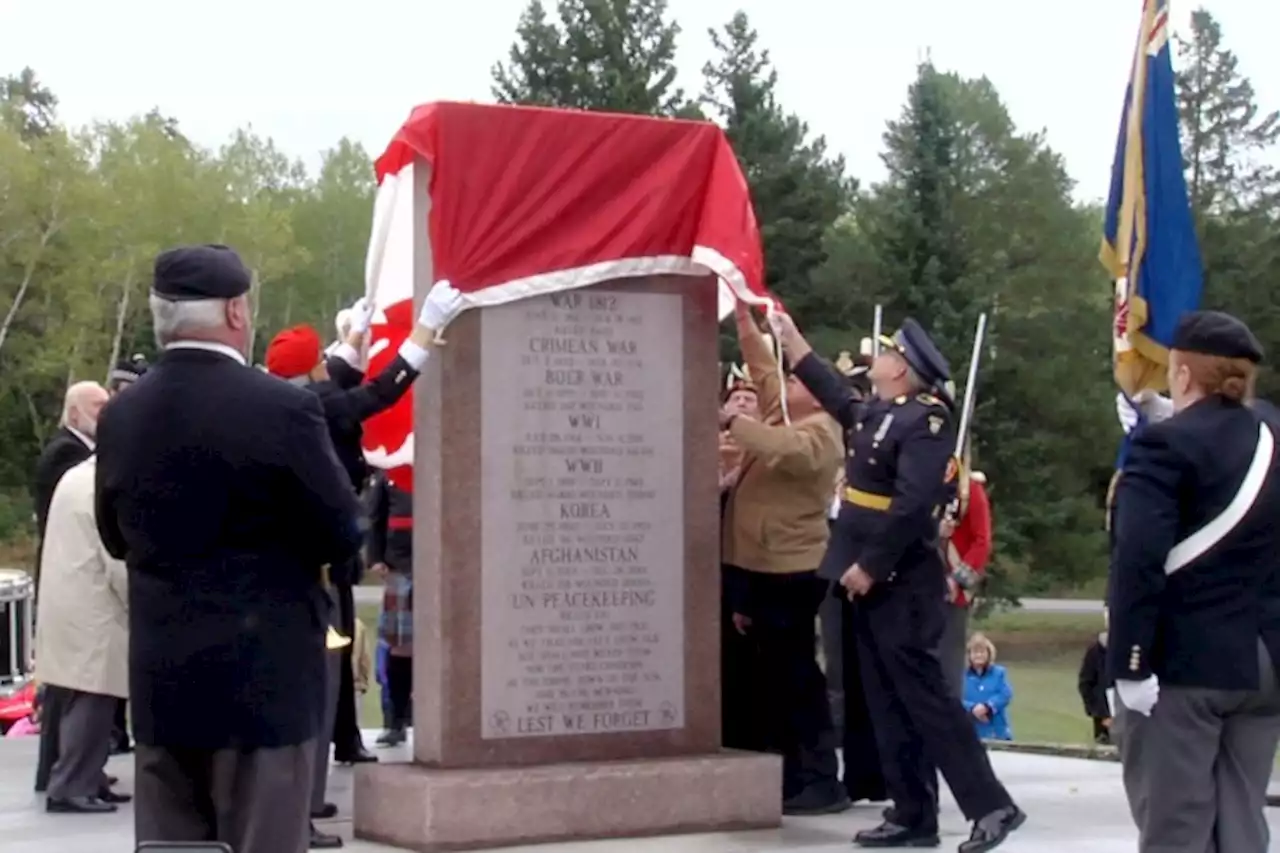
342,323
1127,413
1139,696
361,316
443,303
1155,406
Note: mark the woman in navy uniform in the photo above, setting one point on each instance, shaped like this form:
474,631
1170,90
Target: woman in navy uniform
884,552
1195,601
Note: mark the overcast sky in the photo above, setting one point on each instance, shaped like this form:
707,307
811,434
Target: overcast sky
307,73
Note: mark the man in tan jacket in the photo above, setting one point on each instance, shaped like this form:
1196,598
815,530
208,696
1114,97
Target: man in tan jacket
774,535
82,645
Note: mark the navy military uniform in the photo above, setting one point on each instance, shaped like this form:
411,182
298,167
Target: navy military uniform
900,459
863,778
1195,611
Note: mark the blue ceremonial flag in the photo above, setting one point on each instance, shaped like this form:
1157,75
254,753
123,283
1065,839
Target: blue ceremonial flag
1149,241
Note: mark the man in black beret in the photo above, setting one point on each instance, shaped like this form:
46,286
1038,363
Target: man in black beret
219,487
884,554
1194,600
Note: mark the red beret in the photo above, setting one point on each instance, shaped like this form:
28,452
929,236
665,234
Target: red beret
294,352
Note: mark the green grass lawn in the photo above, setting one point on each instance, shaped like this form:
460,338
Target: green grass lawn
1042,652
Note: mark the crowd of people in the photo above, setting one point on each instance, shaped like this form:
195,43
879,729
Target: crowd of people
203,525
842,486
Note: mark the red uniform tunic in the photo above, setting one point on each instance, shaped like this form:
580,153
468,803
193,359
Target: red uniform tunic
971,540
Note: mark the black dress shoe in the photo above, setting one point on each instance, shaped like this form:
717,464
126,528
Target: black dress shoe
866,795
359,755
323,840
109,796
77,805
892,835
990,831
816,800
325,812
393,736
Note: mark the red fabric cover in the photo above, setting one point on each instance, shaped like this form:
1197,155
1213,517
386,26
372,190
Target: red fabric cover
527,201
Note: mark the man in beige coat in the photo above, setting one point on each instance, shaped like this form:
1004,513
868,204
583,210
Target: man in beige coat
82,644
775,533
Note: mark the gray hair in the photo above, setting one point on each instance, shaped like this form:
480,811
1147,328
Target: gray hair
918,385
176,319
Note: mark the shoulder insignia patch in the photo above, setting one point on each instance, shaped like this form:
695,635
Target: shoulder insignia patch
935,423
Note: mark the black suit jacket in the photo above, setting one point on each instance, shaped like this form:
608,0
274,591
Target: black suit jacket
63,452
219,487
348,404
1199,625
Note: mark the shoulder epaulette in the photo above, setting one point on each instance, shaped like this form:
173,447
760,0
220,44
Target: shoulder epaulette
931,400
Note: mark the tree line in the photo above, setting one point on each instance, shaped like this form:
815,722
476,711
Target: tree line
974,214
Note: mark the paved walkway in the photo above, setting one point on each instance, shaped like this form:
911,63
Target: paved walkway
1074,806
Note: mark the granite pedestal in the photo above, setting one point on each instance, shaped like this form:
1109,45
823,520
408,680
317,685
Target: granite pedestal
566,582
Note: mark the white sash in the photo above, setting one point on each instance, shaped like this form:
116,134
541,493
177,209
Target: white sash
1212,533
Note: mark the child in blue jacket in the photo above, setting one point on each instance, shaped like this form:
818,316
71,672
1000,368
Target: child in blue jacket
987,692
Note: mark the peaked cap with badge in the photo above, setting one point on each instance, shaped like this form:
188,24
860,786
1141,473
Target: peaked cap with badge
127,371
919,351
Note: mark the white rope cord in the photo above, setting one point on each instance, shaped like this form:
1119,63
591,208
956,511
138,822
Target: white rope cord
771,317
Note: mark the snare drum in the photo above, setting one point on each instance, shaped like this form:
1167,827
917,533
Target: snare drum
17,594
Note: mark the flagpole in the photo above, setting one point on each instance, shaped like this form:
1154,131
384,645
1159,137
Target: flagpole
877,329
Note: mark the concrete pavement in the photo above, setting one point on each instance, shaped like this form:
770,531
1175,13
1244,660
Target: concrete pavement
1074,806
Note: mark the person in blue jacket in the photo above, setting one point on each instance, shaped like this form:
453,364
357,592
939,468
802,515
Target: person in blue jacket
987,692
380,665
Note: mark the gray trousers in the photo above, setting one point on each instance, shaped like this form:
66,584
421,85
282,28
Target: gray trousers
1196,771
332,681
84,744
953,648
256,801
833,656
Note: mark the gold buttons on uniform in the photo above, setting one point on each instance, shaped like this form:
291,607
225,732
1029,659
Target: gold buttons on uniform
1135,658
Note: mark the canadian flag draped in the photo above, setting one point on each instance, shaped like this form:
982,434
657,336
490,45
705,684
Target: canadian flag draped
526,201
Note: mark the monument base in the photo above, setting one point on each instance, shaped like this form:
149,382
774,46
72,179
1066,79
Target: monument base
428,809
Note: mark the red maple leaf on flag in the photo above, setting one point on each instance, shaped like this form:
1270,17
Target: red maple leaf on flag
389,435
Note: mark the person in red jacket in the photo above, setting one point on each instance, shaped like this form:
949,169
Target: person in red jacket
966,544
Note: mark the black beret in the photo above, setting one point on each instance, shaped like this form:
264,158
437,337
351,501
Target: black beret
913,343
1216,333
200,272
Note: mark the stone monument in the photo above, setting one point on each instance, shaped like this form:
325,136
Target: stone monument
566,581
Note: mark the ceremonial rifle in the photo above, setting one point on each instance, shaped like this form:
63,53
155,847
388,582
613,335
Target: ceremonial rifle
964,575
